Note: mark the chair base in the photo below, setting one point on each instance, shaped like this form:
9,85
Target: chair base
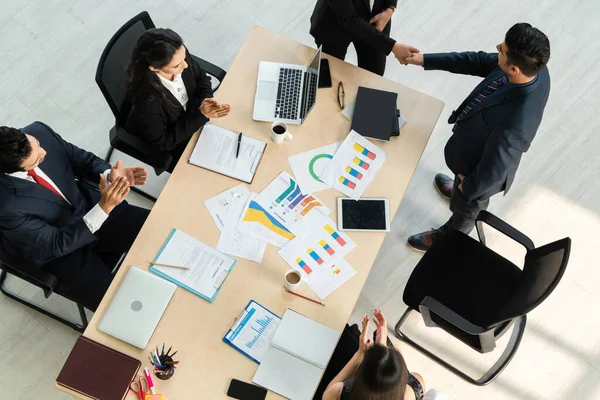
492,373
78,327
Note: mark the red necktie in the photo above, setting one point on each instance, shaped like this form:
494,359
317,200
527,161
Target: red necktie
41,181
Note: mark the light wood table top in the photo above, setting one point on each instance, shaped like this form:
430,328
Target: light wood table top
192,325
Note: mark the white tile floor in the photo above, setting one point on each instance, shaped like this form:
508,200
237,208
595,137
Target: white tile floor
48,55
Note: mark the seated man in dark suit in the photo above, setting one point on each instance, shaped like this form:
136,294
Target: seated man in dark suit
51,219
495,124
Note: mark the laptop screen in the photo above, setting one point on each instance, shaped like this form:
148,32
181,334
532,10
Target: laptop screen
311,80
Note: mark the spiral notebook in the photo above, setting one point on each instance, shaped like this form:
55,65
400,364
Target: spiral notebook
298,354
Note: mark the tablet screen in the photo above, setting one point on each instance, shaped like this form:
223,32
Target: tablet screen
363,214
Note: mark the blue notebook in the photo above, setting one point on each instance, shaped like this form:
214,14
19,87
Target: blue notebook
208,267
252,331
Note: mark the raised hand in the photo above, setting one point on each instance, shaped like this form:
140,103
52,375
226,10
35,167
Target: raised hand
381,333
381,20
210,108
402,52
135,176
111,196
415,59
364,341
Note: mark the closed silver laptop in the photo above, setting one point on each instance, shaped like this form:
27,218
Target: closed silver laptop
286,92
137,307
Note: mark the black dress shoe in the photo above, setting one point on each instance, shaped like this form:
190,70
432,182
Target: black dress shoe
422,241
444,184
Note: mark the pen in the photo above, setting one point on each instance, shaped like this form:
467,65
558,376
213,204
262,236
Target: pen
149,379
237,152
169,265
304,297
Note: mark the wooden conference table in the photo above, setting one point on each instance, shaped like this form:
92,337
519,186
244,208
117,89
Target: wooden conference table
192,325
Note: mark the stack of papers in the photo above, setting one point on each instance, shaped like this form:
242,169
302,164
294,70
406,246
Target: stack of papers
287,214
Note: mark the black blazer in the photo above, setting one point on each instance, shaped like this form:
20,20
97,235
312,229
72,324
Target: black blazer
342,21
165,124
487,143
36,225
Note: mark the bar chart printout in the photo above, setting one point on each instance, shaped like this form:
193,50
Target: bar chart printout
354,166
253,330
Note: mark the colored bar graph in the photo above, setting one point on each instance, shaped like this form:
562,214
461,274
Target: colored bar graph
326,247
310,207
295,193
286,192
335,235
361,163
303,265
296,201
354,173
306,201
314,256
369,154
346,182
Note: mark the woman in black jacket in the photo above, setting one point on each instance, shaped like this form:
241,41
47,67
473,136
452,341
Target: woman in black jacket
171,95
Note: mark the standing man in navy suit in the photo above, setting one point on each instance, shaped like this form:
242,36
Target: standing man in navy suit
51,218
493,127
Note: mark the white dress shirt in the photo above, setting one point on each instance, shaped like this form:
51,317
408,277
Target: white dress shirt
93,219
177,88
371,2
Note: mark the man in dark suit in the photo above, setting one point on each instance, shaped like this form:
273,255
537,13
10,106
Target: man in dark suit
493,126
366,23
52,219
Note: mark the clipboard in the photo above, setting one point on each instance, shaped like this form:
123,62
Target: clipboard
240,323
215,150
217,284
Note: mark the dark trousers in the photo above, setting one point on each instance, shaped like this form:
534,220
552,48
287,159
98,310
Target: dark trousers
369,57
463,212
85,275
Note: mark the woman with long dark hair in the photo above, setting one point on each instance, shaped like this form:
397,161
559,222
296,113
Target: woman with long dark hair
171,95
375,372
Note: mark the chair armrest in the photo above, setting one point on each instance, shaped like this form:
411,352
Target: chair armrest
32,274
211,69
139,149
501,226
430,305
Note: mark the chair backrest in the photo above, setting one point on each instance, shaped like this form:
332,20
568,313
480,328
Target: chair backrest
110,74
543,269
29,273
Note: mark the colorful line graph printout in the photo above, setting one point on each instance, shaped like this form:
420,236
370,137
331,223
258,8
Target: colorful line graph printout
258,223
284,200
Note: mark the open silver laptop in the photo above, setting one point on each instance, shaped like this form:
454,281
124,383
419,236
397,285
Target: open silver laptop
286,92
137,307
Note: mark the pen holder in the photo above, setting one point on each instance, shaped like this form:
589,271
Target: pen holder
169,370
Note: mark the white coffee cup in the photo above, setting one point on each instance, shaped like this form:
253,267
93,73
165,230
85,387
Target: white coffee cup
279,132
293,279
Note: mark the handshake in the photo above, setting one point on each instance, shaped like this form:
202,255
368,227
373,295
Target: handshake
407,54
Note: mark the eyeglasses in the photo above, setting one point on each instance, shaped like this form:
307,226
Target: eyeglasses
341,95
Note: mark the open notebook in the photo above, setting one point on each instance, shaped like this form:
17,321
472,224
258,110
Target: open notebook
216,151
297,356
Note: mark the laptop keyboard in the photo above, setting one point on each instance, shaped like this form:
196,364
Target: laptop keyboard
288,93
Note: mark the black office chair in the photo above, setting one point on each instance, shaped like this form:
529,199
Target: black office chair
40,278
476,295
110,77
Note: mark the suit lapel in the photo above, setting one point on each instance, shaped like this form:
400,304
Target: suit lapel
26,188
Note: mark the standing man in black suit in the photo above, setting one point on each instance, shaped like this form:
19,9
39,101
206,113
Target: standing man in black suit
51,219
493,126
366,23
